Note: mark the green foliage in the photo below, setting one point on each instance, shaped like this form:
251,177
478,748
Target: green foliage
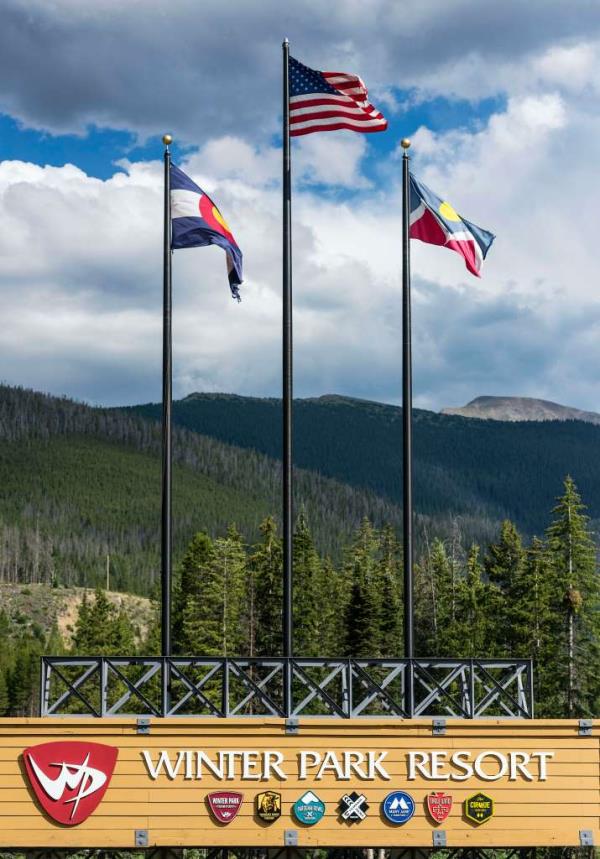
208,616
481,470
505,569
102,629
574,603
309,592
80,495
264,583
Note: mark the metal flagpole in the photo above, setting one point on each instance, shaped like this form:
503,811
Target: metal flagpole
407,425
288,632
167,394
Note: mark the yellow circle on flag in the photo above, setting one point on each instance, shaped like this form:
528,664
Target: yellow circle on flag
219,217
447,212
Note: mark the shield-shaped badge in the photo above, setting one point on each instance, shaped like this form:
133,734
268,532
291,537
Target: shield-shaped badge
268,805
224,804
439,805
69,779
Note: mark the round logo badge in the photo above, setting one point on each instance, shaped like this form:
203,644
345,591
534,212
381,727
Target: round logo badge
309,808
398,806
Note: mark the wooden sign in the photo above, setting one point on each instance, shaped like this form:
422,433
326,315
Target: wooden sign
95,783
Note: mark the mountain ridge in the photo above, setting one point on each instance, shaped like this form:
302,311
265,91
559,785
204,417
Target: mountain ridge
484,469
512,409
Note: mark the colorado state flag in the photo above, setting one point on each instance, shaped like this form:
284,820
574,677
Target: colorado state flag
196,221
434,221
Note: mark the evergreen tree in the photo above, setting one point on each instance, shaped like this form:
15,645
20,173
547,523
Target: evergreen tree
101,629
23,678
535,620
266,579
4,693
471,608
389,575
82,635
212,583
363,610
333,610
310,596
122,634
188,589
505,569
436,585
152,644
574,602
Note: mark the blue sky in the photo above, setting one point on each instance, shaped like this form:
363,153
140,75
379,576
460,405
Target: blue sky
502,103
98,150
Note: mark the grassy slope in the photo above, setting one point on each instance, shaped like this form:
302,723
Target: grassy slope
37,607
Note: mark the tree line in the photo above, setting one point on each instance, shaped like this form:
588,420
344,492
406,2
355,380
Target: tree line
512,599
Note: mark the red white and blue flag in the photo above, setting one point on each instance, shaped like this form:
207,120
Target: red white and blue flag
196,222
328,101
434,221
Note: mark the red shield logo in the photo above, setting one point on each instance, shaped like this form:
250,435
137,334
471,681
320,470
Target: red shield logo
224,804
69,779
439,805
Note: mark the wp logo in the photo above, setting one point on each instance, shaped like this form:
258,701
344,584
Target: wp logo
69,779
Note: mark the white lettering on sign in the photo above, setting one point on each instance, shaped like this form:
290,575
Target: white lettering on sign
344,766
487,766
229,765
233,764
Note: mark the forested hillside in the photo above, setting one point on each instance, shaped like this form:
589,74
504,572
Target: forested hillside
78,485
488,470
508,599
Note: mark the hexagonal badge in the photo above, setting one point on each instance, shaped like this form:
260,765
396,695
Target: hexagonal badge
479,808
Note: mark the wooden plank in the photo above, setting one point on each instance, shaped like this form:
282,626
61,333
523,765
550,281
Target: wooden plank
527,813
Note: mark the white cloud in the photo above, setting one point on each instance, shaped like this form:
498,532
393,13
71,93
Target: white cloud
138,66
80,258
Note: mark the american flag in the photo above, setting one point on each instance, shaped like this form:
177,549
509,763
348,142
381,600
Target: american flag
327,101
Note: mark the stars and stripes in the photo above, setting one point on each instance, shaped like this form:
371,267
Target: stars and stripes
328,101
434,221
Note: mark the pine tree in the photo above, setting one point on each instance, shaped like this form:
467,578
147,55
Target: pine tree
333,610
389,575
536,622
363,610
82,634
212,583
505,567
310,596
471,608
188,587
23,678
266,566
122,634
574,599
152,644
4,693
101,629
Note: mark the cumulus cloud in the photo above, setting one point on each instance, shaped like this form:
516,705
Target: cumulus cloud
215,69
80,258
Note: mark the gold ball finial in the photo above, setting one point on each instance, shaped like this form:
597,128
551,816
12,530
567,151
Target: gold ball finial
167,139
405,143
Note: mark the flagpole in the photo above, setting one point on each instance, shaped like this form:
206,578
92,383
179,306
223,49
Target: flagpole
288,632
167,395
407,512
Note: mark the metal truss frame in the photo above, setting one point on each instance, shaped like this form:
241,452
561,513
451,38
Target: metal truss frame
100,686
